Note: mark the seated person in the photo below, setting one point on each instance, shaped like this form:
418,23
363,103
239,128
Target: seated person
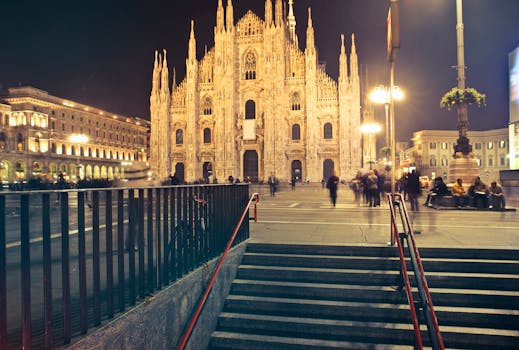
439,189
459,193
497,198
480,193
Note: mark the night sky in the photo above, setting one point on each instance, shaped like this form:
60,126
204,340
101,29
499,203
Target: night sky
101,52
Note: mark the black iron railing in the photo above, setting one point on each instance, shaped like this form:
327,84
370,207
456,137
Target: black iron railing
71,259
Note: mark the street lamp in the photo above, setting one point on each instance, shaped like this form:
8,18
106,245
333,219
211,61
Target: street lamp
78,139
370,129
380,95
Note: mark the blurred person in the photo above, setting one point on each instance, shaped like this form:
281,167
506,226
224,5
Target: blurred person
497,198
439,190
480,192
332,185
372,186
413,189
460,195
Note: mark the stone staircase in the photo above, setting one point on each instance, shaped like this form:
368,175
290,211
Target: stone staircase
347,297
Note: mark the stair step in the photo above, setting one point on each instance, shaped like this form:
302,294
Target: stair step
240,341
326,309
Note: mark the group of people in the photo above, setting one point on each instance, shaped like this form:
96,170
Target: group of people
372,186
477,195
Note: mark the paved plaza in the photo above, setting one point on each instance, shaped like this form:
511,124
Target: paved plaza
306,216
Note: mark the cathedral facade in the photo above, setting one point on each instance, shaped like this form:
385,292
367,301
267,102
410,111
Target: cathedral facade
256,104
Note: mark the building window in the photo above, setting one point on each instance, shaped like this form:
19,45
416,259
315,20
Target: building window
53,125
207,135
2,140
295,102
296,132
490,161
478,145
432,161
53,147
502,144
502,161
432,145
479,161
445,162
328,131
208,106
444,145
63,149
250,109
62,127
19,142
250,66
179,137
490,145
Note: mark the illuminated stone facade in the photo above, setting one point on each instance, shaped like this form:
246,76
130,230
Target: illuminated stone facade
256,104
35,139
433,149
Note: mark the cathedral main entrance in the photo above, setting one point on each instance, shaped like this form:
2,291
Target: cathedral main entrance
250,165
179,172
327,168
207,170
297,172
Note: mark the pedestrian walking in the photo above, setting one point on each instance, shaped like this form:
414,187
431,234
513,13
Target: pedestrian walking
273,184
412,188
293,183
332,185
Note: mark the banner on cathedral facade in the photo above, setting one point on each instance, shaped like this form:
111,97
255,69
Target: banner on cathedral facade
249,129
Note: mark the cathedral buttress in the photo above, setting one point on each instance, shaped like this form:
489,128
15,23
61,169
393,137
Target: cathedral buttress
192,138
268,13
313,126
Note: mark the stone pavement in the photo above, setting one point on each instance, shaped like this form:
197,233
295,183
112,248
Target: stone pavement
306,216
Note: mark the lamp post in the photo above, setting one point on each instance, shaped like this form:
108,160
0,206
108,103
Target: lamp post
78,139
380,95
370,129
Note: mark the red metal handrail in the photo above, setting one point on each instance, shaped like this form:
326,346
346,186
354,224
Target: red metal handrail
407,283
420,272
187,334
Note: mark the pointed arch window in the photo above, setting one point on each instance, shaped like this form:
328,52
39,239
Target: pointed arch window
328,131
295,101
250,109
296,132
3,140
250,66
179,137
207,135
208,106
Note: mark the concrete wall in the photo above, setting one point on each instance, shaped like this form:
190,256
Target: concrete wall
159,321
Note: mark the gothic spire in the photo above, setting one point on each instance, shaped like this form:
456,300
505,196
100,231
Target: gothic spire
291,19
268,12
155,83
219,17
192,43
279,13
354,65
343,64
229,21
310,44
164,83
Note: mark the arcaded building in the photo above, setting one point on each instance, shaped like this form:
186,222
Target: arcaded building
255,104
39,139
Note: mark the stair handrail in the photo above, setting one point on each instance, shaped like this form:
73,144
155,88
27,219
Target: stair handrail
189,330
396,199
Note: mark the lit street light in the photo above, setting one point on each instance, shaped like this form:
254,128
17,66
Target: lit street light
380,95
78,139
370,129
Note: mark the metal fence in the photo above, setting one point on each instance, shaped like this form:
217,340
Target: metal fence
71,259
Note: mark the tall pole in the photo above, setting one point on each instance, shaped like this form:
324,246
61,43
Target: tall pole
463,121
392,123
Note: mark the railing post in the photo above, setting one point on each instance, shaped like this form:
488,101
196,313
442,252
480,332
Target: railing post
151,267
165,214
96,259
83,320
3,278
65,267
131,244
109,254
120,250
47,269
26,271
140,237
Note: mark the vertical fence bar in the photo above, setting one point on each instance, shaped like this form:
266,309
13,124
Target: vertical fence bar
131,245
96,258
26,271
173,236
83,311
3,278
47,269
140,236
185,224
65,267
165,214
151,267
159,242
191,226
109,255
120,249
179,234
197,227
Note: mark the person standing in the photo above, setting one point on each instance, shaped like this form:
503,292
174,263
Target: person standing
412,188
293,183
372,184
273,183
332,185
